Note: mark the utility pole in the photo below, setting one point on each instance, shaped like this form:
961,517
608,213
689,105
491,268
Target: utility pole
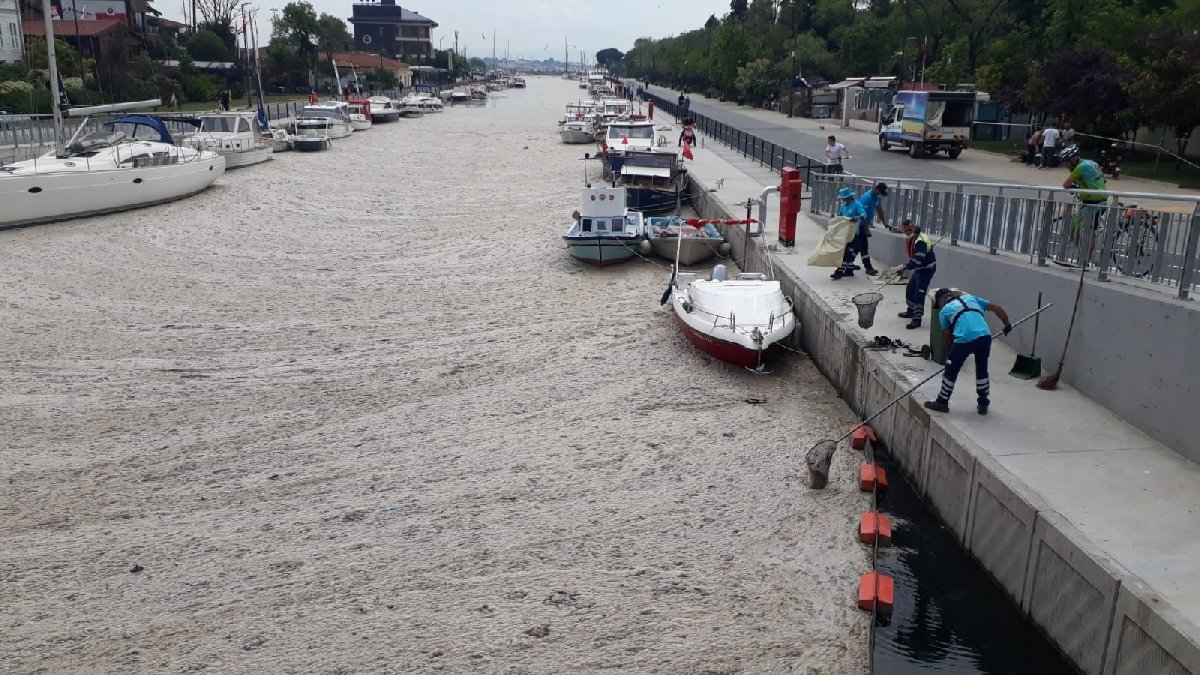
452,64
566,58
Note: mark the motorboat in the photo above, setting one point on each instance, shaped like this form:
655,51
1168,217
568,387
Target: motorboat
311,140
478,92
623,135
738,320
459,96
413,105
128,163
382,109
688,241
360,114
653,179
332,118
237,136
579,130
604,231
429,96
518,83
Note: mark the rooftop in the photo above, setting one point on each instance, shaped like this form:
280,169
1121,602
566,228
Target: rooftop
72,28
365,60
386,11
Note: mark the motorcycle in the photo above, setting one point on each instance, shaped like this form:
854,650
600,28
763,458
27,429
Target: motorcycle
1110,162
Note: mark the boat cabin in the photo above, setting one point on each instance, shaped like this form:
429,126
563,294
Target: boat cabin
649,168
602,212
359,106
624,136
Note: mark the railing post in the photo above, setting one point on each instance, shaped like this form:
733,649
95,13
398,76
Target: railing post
959,213
997,223
1187,274
1106,246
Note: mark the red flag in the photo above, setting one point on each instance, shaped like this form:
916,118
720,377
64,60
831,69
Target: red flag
687,150
625,141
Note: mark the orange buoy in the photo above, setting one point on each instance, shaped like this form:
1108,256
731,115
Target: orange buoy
871,477
876,591
875,527
858,439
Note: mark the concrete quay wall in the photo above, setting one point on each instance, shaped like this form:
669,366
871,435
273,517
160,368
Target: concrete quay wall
1098,614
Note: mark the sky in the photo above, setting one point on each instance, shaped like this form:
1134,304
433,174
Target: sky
533,29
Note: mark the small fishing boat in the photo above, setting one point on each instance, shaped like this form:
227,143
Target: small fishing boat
689,241
459,96
412,105
653,179
604,231
518,83
360,114
382,109
739,320
579,130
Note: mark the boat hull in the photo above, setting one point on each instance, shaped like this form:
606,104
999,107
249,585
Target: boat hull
573,136
722,350
650,201
75,194
385,117
310,143
728,328
602,251
247,157
361,125
691,250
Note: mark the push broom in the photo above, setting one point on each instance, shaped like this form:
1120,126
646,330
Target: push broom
820,455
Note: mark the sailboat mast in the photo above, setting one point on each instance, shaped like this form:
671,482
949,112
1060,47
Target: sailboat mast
566,57
60,148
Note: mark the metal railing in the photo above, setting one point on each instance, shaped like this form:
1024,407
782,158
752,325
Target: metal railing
765,152
1154,238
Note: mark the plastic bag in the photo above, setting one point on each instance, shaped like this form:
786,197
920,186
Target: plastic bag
829,252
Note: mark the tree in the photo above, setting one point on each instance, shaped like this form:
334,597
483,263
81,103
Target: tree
738,9
206,45
218,12
1168,84
1086,85
294,37
609,58
756,80
332,34
477,65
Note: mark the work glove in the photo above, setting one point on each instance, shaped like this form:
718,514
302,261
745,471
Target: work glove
1007,328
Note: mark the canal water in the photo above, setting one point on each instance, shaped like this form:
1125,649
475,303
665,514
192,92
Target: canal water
950,616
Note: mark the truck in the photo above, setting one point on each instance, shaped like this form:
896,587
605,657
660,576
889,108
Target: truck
928,122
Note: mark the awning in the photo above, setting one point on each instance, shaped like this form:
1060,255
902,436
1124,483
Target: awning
858,82
653,171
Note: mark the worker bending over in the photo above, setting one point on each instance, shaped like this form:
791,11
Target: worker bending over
965,332
852,209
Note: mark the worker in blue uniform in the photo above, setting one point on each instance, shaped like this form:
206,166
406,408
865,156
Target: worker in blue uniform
853,209
966,333
922,263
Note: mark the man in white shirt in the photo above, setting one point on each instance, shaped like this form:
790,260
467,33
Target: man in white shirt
1049,144
834,152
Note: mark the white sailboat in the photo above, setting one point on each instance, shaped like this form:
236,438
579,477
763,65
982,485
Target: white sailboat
100,172
234,135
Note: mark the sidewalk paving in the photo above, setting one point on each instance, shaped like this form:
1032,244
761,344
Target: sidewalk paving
1133,499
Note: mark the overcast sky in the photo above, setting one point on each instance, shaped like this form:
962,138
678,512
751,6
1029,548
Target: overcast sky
533,28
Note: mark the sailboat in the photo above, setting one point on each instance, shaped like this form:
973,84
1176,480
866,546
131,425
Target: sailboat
101,171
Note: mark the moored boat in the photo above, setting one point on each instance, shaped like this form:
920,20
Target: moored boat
359,111
577,131
604,232
688,240
383,110
237,136
311,140
739,320
653,179
331,118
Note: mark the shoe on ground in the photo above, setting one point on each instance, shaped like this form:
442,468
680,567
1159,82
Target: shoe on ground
838,274
855,267
982,410
871,271
937,406
905,314
915,323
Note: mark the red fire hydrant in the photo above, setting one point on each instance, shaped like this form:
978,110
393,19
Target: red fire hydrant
790,190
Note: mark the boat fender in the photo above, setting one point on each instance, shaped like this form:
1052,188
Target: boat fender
687,306
644,247
718,273
725,248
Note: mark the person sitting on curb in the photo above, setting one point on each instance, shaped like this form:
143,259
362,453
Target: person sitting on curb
851,208
965,332
923,263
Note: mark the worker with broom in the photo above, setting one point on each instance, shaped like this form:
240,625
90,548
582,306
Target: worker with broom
966,333
922,262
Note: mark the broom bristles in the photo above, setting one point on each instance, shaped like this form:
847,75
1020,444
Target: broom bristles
1048,382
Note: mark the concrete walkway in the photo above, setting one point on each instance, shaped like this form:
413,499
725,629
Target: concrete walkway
807,137
1088,523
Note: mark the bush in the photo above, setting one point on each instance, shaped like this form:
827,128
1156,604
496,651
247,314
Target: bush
200,88
206,45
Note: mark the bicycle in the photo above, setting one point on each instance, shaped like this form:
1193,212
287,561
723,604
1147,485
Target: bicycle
1135,243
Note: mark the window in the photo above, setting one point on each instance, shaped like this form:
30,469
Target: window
587,224
601,225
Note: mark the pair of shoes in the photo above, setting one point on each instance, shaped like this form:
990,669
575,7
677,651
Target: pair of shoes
937,406
871,271
841,274
982,410
906,315
915,323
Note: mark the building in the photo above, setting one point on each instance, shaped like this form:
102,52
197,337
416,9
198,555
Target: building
106,41
362,63
388,28
10,32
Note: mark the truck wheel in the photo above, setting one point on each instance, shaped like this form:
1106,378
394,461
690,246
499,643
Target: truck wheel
954,152
914,151
883,143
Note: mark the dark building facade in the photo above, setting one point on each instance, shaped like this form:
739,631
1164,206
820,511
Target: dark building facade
388,28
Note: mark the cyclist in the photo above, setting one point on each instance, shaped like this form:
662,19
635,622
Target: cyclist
1085,175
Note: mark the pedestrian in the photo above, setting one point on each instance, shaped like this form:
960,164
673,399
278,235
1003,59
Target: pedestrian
965,333
680,113
688,135
1068,135
851,208
687,106
312,97
174,103
834,153
922,263
223,99
1049,145
1085,175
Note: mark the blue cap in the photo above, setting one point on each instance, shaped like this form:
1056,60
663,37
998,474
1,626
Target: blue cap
846,193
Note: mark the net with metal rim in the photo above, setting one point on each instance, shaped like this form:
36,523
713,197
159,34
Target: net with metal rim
866,304
818,459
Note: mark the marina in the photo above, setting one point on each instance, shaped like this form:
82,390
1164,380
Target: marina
371,421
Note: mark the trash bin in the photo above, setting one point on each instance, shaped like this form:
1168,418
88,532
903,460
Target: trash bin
937,351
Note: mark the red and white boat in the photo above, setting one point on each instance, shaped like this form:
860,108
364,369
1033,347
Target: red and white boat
737,320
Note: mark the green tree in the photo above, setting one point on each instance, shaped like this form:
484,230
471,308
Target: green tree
756,80
332,34
206,45
738,9
609,58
